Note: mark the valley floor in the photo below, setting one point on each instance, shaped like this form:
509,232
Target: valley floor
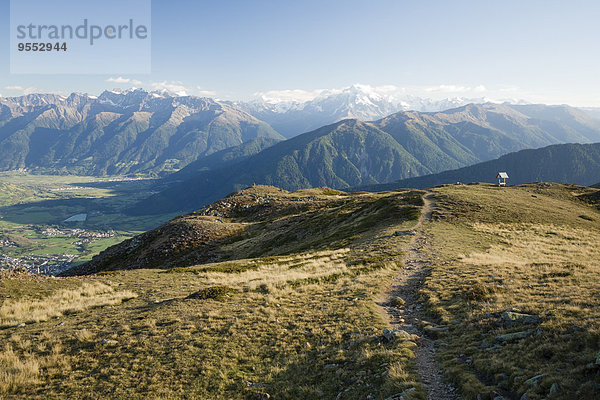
34,233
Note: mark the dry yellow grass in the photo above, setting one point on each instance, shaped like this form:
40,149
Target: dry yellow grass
21,363
17,372
280,270
536,243
526,248
315,332
96,294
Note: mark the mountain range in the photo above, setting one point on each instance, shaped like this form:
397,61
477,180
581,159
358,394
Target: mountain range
562,163
155,133
363,102
119,132
403,145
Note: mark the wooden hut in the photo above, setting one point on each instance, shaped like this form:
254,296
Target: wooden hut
502,177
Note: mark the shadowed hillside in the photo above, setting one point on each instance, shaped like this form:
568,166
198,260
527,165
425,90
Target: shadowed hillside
567,163
258,221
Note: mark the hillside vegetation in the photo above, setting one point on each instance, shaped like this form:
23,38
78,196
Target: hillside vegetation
275,294
514,275
284,304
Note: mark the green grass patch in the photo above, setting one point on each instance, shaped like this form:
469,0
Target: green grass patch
219,293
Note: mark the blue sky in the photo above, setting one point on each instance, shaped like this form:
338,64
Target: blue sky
541,51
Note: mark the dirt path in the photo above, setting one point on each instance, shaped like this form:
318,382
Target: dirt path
406,285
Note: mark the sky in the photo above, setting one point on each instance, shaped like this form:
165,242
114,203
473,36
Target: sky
539,51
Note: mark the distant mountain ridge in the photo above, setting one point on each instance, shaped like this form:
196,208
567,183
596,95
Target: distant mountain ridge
119,132
404,145
562,163
292,117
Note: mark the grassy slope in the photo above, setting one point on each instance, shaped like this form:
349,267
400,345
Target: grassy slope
300,321
533,248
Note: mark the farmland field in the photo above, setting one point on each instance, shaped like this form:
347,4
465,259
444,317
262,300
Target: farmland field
33,210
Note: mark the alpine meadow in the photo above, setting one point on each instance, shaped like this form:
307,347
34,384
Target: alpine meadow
340,200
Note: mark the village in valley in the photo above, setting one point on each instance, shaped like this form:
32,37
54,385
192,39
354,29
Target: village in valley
49,241
49,223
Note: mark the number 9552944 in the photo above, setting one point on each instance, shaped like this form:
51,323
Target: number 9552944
42,46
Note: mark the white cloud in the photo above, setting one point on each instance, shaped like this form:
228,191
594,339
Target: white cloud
389,89
205,93
173,86
455,89
302,96
20,89
120,80
289,95
394,93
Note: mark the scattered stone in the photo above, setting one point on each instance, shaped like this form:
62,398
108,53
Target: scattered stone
434,331
509,337
108,342
501,377
424,324
512,318
554,388
405,233
401,396
524,397
534,381
399,334
397,302
256,385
